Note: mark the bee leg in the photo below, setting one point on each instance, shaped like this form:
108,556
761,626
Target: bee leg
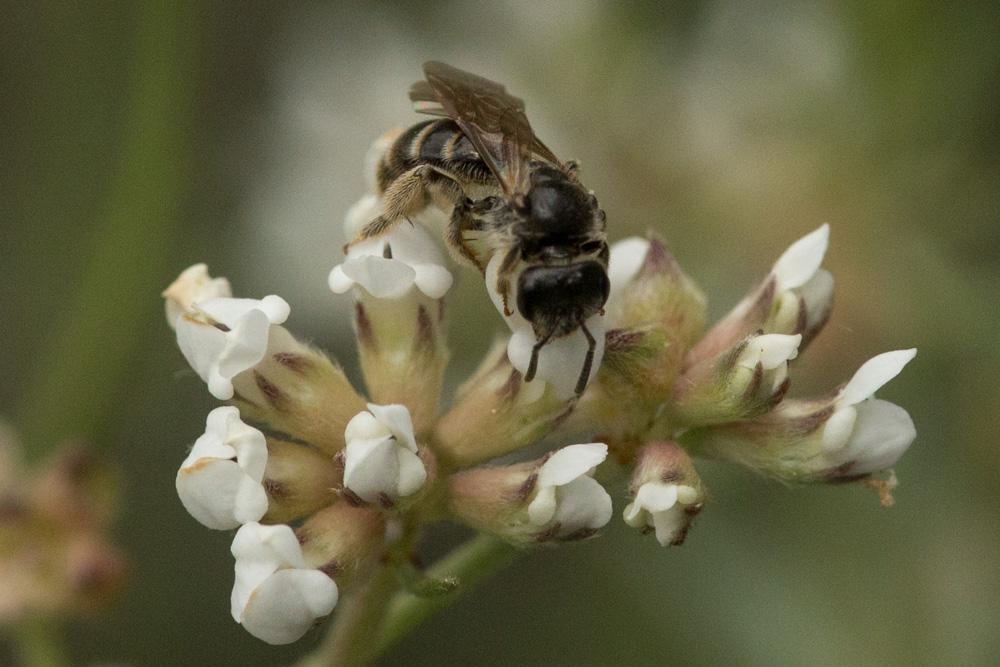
588,361
405,196
529,375
510,260
461,222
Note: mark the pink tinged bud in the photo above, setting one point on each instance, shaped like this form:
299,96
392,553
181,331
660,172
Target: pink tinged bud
276,596
220,482
667,493
795,298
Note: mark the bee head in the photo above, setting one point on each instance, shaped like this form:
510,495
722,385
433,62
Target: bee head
556,299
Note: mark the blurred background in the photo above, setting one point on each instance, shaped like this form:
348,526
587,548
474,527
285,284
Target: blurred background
140,138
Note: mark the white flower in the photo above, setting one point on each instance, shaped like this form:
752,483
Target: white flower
561,360
381,454
227,336
219,482
192,286
772,352
801,261
626,259
566,493
276,596
388,267
662,506
868,433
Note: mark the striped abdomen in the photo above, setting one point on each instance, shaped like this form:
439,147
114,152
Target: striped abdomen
439,143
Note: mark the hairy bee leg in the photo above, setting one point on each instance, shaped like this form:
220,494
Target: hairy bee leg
503,277
408,195
588,361
533,364
461,222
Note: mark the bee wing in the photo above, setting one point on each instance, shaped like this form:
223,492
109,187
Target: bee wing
492,119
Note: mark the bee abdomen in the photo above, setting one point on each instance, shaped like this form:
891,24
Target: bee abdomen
439,143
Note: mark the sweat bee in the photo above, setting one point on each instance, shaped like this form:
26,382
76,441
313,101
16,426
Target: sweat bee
480,159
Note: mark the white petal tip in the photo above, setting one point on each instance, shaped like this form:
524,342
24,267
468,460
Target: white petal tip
802,259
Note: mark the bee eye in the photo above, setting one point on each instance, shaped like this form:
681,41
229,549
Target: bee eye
591,246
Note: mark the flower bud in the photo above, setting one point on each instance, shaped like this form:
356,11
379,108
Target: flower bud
495,413
399,280
743,382
848,436
666,491
299,480
276,596
341,539
381,464
297,390
794,298
554,498
219,482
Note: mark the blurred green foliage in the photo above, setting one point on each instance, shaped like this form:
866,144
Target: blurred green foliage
142,137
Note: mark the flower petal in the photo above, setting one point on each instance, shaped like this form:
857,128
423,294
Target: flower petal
571,462
655,497
583,503
873,374
627,257
259,552
382,278
412,473
365,426
802,259
882,433
286,604
770,350
371,467
397,419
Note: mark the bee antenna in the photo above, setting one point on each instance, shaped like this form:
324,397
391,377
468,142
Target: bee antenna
588,361
533,364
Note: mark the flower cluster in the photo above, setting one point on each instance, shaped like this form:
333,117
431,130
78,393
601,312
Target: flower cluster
326,484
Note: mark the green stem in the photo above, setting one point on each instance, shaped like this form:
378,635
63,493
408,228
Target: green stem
472,562
96,334
351,641
39,643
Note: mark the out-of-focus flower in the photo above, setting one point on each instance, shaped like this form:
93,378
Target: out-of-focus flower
220,482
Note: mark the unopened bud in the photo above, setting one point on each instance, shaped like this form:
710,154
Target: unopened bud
341,539
299,480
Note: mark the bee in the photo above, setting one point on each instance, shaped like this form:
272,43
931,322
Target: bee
480,159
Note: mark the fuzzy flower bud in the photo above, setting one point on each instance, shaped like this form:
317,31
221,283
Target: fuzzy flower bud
341,540
794,298
667,493
743,382
552,499
299,480
220,336
219,482
277,597
848,436
381,462
398,280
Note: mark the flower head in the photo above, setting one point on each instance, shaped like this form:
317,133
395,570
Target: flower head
220,482
277,597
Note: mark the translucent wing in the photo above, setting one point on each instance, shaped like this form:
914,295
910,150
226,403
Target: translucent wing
489,116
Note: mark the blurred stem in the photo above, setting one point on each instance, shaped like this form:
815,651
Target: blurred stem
95,334
39,643
470,563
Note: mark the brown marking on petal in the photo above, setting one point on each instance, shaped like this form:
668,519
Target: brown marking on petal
658,259
363,326
424,340
351,498
578,535
387,251
802,321
527,487
681,535
339,461
755,380
509,390
274,396
221,327
646,530
841,473
240,398
440,310
385,501
811,422
293,362
275,489
331,568
302,536
693,510
779,393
